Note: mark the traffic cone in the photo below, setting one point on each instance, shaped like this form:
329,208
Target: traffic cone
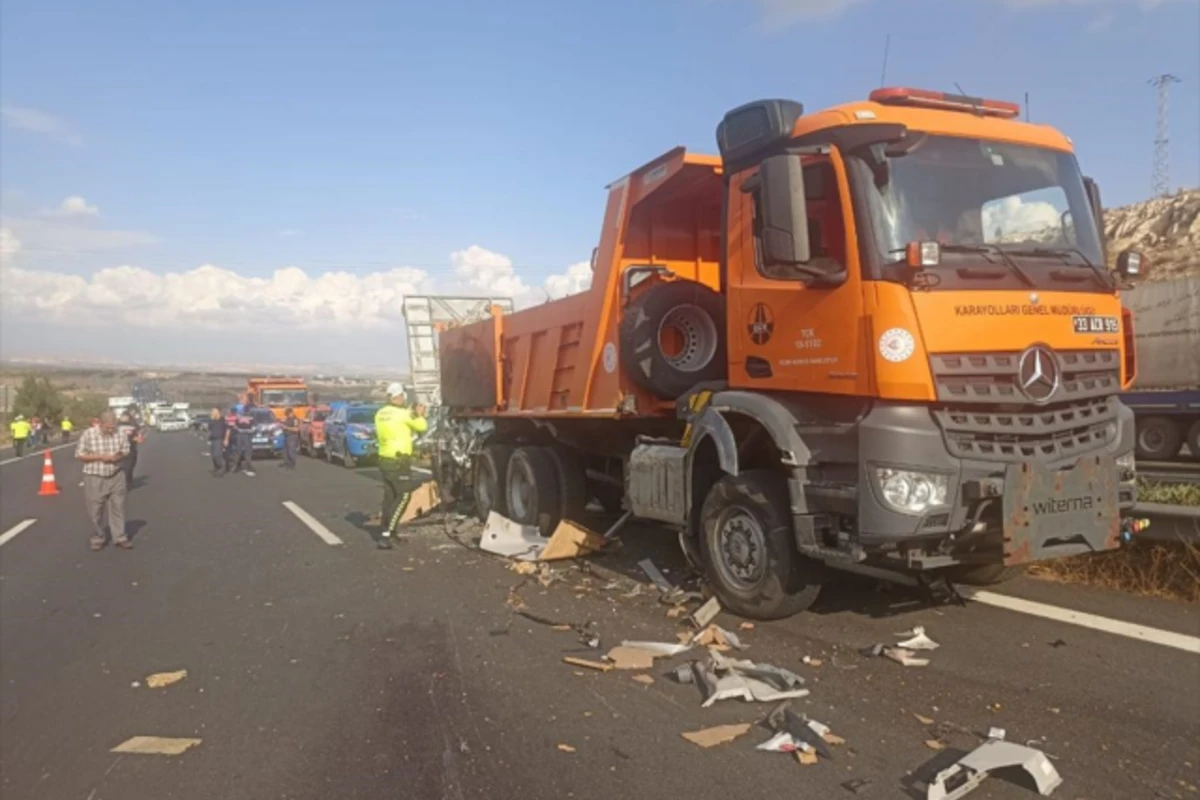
49,485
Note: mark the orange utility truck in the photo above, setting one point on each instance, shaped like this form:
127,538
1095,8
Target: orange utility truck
278,394
878,338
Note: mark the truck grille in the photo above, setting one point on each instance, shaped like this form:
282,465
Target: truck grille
985,416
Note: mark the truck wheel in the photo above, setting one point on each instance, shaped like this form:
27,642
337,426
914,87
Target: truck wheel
673,337
749,555
572,482
533,494
1158,439
491,478
984,575
1193,440
347,457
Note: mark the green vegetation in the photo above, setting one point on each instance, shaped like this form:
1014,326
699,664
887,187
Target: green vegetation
1176,494
37,397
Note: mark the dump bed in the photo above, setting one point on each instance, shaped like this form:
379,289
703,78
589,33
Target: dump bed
563,357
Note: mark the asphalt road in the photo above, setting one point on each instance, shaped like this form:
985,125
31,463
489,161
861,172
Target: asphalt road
319,671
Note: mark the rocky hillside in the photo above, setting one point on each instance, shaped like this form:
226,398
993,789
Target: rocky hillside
1165,229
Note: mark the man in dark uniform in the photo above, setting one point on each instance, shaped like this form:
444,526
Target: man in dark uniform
218,440
243,447
133,431
291,437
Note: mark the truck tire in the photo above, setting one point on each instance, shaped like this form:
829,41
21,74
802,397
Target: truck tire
533,494
490,480
572,482
1193,440
749,556
673,337
347,457
984,575
1158,439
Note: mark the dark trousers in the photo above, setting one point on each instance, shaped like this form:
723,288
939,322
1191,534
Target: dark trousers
291,443
128,465
243,450
66,436
216,449
397,490
19,446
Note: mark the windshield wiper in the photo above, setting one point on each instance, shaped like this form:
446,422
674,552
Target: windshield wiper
1065,254
990,249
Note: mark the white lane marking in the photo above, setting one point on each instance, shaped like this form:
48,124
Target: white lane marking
1179,641
313,523
14,530
33,453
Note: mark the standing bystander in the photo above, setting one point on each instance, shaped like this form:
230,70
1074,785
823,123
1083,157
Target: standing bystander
103,450
218,439
291,437
133,431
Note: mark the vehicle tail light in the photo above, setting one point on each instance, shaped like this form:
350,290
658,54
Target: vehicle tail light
923,254
925,98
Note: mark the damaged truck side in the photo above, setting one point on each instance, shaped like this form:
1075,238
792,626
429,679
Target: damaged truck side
877,338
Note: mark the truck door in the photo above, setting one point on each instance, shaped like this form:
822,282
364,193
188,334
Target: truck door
786,332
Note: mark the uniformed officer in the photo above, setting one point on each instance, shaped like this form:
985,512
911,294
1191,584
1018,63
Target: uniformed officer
243,445
291,437
395,425
20,434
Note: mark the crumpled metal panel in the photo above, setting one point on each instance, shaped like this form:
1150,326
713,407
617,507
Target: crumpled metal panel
656,483
1050,513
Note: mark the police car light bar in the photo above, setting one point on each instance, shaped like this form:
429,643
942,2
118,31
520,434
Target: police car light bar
925,98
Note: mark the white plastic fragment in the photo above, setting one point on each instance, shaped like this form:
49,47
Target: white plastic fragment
996,733
904,656
918,640
960,779
660,649
781,742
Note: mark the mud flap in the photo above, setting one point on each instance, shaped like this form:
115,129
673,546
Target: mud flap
1050,513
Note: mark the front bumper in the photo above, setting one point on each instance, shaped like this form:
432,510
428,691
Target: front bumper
1026,510
361,448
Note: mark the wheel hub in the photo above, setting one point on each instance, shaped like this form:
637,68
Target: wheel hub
742,547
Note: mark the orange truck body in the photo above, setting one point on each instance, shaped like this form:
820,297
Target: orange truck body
279,394
981,363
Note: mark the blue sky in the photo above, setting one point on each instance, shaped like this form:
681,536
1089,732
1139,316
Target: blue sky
380,138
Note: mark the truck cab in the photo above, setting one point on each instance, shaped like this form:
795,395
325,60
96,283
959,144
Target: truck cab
878,338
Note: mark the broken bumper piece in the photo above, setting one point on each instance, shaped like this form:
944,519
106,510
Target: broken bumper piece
964,776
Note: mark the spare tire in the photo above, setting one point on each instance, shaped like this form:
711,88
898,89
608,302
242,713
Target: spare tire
673,337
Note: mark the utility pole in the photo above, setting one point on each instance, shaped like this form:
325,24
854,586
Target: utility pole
1161,177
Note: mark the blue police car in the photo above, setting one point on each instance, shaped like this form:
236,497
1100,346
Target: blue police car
350,432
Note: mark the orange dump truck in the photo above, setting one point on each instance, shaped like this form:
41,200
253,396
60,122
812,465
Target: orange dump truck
278,394
878,338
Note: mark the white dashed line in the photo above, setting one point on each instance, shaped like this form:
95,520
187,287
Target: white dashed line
313,523
1179,641
37,452
9,534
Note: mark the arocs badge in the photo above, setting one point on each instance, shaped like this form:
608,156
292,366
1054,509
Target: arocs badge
761,323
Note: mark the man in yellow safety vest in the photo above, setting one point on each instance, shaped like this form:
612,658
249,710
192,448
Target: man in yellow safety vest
20,433
67,427
395,425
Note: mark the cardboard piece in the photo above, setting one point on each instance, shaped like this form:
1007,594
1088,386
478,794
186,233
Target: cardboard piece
721,734
161,679
630,658
645,680
806,758
599,666
155,745
571,541
424,499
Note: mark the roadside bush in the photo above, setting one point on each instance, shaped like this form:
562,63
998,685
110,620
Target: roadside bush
37,397
1177,494
82,408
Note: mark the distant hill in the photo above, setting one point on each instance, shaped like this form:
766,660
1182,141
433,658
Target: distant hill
1165,229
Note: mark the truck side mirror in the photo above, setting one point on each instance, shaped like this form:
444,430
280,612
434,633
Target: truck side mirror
784,211
1131,264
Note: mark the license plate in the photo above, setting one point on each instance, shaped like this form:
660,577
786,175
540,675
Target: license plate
260,441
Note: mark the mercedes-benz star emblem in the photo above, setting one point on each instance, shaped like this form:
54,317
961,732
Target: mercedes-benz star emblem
1037,374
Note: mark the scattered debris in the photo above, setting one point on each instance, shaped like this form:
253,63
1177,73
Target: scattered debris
160,679
675,612
934,744
523,567
997,733
135,685
570,541
624,657
566,748
965,775
805,733
684,674
746,626
806,758
723,678
645,680
503,537
721,734
923,720
856,785
812,662
155,745
424,499
1058,643
599,666
656,577
904,656
918,640
659,649
706,613
718,638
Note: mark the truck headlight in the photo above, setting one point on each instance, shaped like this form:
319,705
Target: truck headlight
911,492
1127,467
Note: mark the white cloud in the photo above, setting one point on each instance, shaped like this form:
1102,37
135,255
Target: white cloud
35,121
212,298
62,237
10,245
75,206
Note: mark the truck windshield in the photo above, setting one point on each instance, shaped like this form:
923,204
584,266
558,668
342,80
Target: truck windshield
284,397
979,194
